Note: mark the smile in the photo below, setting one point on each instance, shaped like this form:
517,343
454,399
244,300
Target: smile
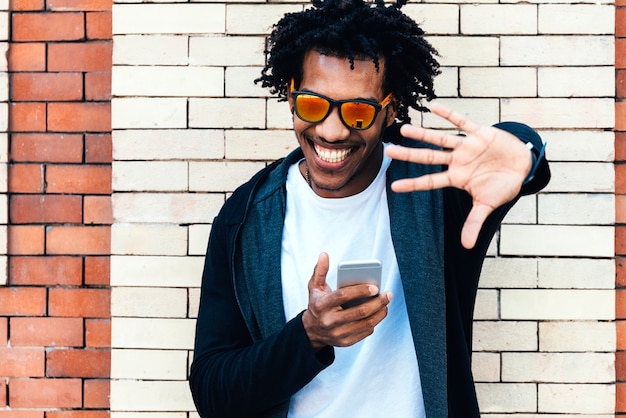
331,155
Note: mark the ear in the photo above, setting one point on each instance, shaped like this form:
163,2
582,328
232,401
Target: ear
290,100
391,113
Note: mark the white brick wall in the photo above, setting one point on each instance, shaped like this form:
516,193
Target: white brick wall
190,125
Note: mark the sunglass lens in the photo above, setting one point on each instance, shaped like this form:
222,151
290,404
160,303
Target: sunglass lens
358,115
311,108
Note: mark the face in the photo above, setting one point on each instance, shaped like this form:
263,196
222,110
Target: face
341,161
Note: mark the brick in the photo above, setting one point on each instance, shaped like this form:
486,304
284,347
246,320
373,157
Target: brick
77,414
620,22
495,82
214,50
620,391
79,117
250,20
48,270
556,50
13,413
84,303
45,393
78,240
98,333
140,50
97,271
168,81
4,331
99,25
620,272
152,333
153,176
590,336
149,364
47,332
156,271
88,179
557,304
26,178
149,302
22,301
576,209
26,209
498,19
620,236
168,18
558,367
89,56
153,113
620,304
39,87
22,362
620,327
576,82
620,116
620,84
152,396
48,26
155,239
96,393
593,19
98,86
3,394
576,273
226,113
164,207
505,336
98,148
27,117
202,175
46,148
78,363
557,240
29,56
177,145
620,366
26,240
574,398
507,397
27,5
620,53
265,145
79,5
540,113
97,210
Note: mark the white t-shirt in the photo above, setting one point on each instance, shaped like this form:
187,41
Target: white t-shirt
378,376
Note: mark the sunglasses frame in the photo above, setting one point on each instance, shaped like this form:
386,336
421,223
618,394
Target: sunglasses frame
338,103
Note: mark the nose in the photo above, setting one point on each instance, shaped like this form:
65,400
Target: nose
332,128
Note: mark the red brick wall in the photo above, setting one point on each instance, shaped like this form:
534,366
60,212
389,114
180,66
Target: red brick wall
620,199
55,310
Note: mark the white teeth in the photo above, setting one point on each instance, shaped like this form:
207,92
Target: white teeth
331,155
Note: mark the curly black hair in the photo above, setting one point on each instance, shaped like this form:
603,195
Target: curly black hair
355,29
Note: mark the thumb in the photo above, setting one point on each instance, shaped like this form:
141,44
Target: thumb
318,280
473,224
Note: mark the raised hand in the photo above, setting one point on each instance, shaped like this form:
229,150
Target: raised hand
327,323
489,163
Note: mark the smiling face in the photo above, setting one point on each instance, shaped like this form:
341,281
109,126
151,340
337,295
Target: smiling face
341,161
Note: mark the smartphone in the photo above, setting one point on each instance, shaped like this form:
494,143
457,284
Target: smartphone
350,273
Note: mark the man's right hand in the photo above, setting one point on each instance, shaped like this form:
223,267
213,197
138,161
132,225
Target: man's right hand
327,323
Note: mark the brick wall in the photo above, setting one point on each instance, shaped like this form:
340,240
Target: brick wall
189,126
55,310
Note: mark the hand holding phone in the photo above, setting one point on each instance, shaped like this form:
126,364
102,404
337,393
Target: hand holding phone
350,273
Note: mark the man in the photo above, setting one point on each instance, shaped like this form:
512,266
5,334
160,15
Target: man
273,339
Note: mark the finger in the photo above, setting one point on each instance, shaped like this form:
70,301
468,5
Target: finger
473,224
457,119
426,182
419,155
318,279
439,138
